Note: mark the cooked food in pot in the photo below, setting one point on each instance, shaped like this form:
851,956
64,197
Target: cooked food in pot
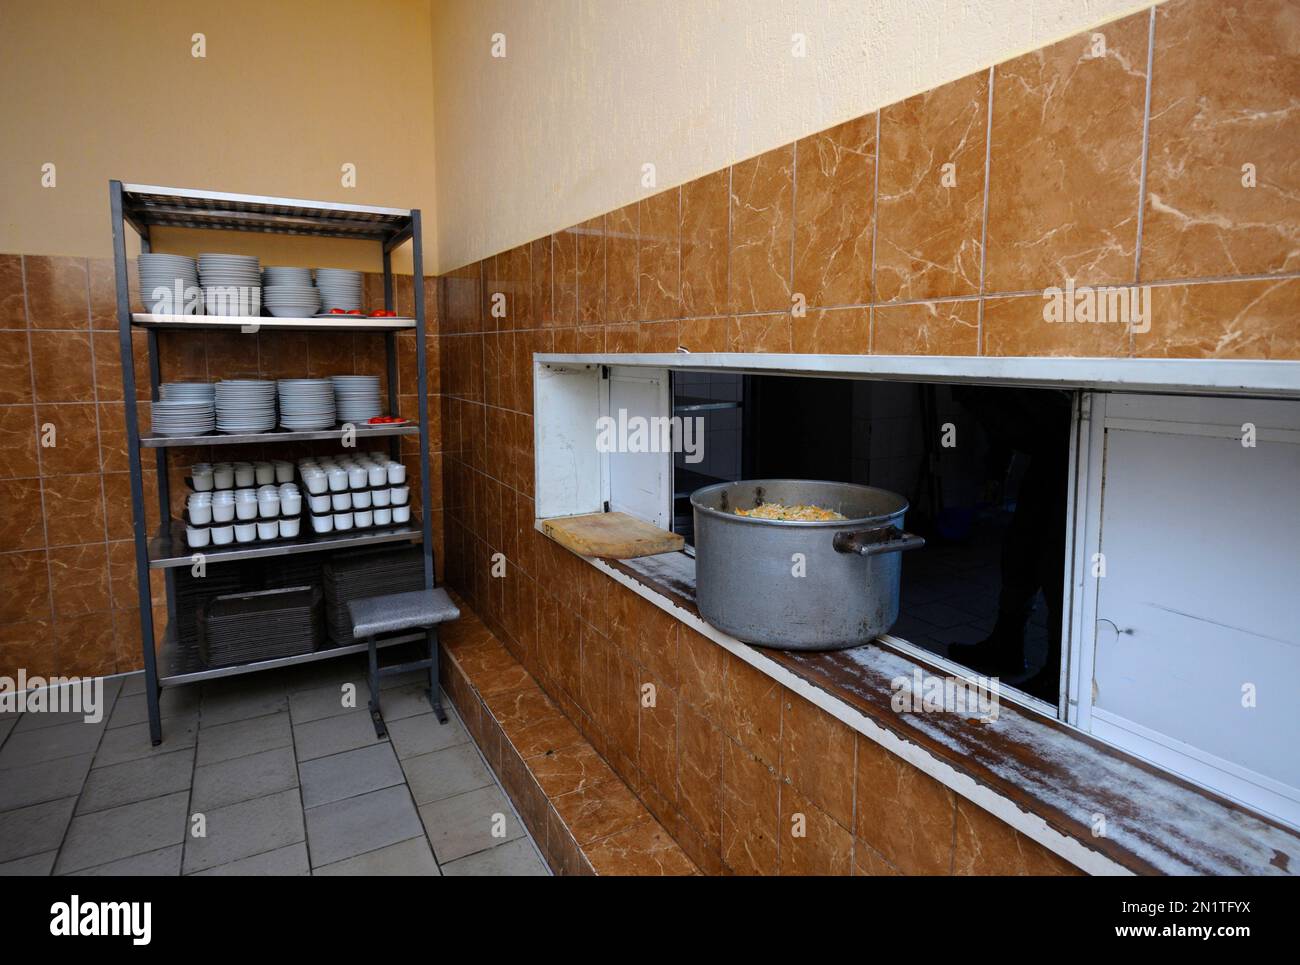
799,513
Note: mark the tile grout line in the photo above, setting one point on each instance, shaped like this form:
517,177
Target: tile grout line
63,840
984,227
1017,293
875,233
40,463
1142,175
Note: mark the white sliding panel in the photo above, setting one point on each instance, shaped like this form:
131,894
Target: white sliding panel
1197,650
639,467
567,404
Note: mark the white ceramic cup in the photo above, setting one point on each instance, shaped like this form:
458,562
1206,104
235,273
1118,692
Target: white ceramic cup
361,499
223,476
322,524
401,514
396,473
383,497
363,518
343,521
197,535
383,517
245,474
341,502
290,504
338,478
401,495
223,535
245,504
264,472
200,514
203,479
268,528
223,506
283,471
289,527
268,505
377,474
245,532
357,476
315,481
319,504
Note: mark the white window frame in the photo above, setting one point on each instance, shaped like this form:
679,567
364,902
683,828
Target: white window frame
1113,410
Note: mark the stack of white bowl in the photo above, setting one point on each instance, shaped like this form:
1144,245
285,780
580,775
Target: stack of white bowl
289,293
339,288
356,397
245,405
232,284
169,284
306,403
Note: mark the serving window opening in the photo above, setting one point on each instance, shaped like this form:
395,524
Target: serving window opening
984,468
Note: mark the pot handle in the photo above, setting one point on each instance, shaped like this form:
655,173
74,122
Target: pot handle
873,542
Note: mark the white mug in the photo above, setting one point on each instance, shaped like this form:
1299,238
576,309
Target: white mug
401,514
363,518
223,535
245,532
322,524
343,521
383,517
196,535
361,499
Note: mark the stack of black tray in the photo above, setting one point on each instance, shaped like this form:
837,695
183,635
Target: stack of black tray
367,572
243,628
194,592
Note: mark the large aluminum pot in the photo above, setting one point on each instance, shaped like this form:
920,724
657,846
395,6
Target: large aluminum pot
796,585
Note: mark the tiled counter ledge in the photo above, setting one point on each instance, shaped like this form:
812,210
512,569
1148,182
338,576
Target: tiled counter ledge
581,814
946,792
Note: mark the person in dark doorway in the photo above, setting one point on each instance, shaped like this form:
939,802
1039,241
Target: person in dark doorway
1036,423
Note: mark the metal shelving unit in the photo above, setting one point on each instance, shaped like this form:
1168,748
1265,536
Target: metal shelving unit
144,206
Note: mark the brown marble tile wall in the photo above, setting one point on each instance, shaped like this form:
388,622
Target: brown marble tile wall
929,227
68,597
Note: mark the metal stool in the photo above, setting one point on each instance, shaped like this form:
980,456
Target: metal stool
391,613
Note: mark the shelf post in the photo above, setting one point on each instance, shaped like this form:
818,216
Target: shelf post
390,352
138,519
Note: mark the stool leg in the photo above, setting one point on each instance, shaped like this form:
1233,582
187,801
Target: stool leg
435,686
376,716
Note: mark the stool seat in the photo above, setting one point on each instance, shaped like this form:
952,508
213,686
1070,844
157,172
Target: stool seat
417,609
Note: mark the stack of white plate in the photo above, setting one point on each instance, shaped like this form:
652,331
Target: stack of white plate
190,417
187,392
356,397
245,405
339,288
306,403
232,284
291,301
168,284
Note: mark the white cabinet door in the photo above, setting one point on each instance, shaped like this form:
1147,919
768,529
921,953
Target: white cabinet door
1197,649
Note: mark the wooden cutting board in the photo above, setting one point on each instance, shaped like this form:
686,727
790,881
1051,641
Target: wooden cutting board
612,535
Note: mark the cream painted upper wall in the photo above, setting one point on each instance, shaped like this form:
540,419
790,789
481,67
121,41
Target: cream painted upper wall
288,92
590,90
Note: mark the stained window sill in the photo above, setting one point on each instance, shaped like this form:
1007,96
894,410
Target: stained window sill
1050,782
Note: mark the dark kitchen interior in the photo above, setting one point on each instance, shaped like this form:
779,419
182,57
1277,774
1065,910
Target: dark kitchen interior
991,500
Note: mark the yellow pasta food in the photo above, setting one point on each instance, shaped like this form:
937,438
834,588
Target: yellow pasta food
800,513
